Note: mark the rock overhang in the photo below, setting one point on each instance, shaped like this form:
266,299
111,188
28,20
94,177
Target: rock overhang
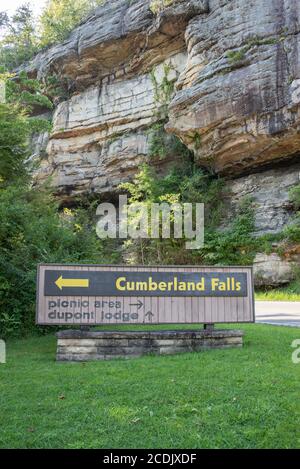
236,94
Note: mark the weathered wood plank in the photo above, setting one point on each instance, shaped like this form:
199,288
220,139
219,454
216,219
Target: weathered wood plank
174,308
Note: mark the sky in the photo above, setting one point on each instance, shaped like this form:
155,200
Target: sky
11,5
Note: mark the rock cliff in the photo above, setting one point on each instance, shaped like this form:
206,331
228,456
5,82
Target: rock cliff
226,73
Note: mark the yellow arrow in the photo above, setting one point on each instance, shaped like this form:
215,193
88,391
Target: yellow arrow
72,282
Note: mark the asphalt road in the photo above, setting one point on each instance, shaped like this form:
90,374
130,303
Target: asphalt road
279,313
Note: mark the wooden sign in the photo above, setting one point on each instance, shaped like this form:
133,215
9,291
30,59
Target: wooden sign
94,295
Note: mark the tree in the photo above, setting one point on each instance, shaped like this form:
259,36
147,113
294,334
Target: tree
22,37
14,132
61,16
19,41
16,125
32,229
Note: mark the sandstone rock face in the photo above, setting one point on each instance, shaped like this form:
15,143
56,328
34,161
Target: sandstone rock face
237,97
235,68
237,87
268,193
120,38
101,136
272,270
240,91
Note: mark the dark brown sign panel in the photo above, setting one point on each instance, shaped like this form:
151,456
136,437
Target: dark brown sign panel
95,295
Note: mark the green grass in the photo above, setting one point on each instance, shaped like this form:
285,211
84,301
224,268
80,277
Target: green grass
277,295
234,398
289,293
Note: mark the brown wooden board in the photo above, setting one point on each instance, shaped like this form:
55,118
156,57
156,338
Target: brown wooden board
100,294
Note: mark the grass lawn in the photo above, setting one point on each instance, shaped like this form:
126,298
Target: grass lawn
288,293
243,398
277,295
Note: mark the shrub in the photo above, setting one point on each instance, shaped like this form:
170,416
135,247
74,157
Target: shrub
292,231
189,184
60,17
18,40
33,231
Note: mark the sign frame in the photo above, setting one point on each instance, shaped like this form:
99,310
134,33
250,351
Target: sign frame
127,268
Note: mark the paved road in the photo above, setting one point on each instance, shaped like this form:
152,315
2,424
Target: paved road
279,313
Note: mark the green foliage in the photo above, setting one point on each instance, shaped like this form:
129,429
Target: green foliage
197,141
33,231
294,196
288,293
233,245
163,92
16,126
163,144
236,56
57,87
14,131
282,294
23,37
156,6
292,231
158,141
60,17
147,188
19,42
29,94
290,235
